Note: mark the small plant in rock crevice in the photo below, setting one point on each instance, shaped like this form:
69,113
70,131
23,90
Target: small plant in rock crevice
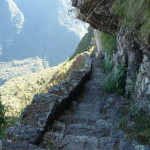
108,66
139,127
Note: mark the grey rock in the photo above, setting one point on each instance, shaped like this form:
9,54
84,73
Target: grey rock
28,133
39,113
9,145
46,97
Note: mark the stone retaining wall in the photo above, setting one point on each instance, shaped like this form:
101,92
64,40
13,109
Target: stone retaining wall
42,112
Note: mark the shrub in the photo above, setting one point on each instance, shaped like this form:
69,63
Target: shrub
140,130
108,43
108,66
115,82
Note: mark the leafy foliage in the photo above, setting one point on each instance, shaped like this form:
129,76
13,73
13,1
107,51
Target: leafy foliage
2,114
115,82
85,43
136,15
108,42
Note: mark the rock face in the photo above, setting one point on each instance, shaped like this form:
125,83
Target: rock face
131,51
98,14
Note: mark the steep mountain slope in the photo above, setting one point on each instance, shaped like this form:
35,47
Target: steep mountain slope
9,70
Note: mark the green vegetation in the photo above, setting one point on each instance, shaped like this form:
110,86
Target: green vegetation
108,42
5,122
9,122
136,15
85,43
2,117
108,66
13,69
140,129
115,82
51,146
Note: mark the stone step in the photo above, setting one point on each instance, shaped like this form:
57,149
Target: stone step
95,82
87,130
87,116
90,98
89,106
72,142
80,142
70,119
88,113
92,92
83,110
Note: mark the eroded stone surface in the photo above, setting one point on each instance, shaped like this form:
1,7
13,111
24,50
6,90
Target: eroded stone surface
28,133
39,113
9,145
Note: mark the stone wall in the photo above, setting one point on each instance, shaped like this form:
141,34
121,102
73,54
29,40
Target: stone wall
42,112
136,58
129,54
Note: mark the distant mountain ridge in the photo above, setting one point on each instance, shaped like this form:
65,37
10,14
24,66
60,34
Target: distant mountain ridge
31,28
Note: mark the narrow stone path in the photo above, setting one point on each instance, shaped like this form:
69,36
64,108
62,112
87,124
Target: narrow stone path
91,122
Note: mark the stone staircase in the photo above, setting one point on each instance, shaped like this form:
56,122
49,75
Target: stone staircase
91,122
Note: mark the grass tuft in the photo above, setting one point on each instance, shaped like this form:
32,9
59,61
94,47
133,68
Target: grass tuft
140,129
136,15
108,66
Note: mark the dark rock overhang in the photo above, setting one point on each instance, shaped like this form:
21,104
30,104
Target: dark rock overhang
98,13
